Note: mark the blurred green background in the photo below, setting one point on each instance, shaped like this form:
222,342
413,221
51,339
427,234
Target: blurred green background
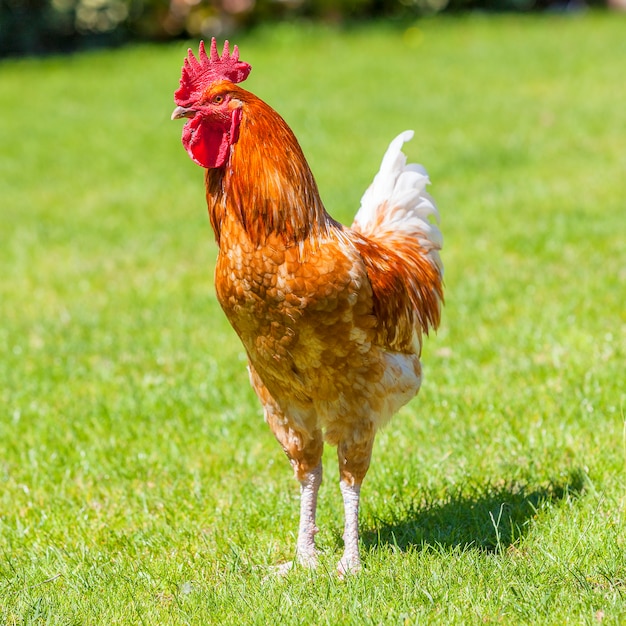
50,26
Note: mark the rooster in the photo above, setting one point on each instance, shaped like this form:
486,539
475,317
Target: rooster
331,317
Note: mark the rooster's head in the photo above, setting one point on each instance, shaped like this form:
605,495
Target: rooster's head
207,98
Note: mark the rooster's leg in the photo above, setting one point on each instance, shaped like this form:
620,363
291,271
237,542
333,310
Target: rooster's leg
303,442
304,449
354,459
306,554
310,481
350,561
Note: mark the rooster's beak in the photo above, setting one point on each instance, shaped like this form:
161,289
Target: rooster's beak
179,112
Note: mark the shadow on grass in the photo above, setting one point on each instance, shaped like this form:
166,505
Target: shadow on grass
486,517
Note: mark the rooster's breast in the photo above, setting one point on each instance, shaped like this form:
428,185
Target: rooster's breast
305,317
296,309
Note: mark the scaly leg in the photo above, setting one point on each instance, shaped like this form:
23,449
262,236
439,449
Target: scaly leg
350,561
354,459
306,554
304,449
302,441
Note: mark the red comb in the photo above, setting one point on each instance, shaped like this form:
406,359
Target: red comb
199,73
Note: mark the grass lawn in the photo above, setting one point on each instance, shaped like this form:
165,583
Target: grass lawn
138,482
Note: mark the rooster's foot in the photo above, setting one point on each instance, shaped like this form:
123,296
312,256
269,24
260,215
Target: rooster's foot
307,561
348,566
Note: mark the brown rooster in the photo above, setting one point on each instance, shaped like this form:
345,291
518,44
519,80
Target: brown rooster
331,317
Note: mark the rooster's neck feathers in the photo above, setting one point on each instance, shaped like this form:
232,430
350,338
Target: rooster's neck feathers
266,184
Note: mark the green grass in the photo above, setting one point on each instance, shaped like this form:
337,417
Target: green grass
138,482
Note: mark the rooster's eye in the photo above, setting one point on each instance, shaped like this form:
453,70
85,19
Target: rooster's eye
218,99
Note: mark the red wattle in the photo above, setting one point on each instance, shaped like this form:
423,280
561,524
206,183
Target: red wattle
208,143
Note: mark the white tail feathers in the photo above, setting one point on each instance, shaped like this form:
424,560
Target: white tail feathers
396,202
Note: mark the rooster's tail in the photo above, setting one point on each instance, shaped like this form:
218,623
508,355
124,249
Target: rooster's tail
402,256
397,204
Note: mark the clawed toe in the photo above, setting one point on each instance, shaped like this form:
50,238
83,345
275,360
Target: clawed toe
348,567
308,561
279,571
